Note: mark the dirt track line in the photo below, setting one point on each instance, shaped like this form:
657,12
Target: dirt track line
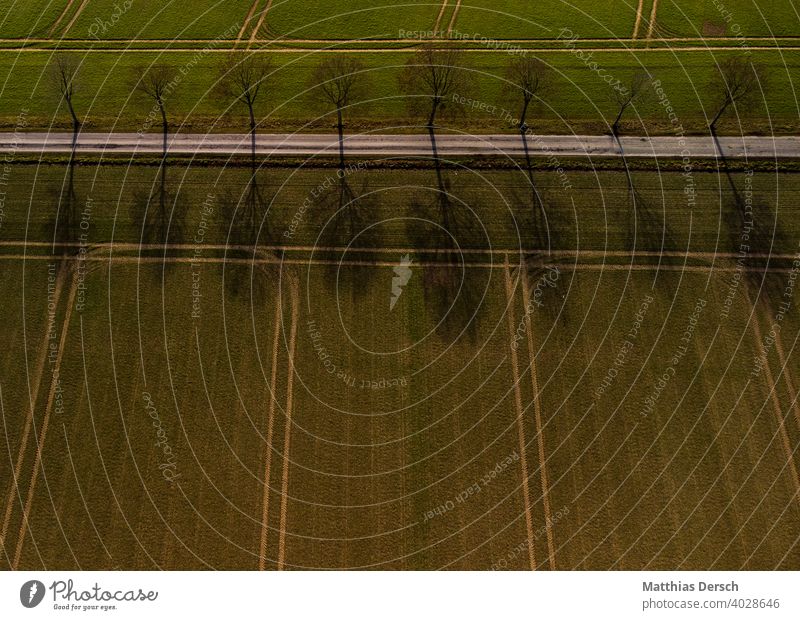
75,17
31,411
412,41
58,21
439,18
248,262
259,24
523,460
454,17
652,23
776,405
270,426
406,250
46,422
537,409
468,50
288,430
246,22
638,20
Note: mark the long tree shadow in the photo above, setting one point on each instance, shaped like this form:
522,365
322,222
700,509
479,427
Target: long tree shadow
647,230
453,292
349,233
159,216
249,231
538,236
755,235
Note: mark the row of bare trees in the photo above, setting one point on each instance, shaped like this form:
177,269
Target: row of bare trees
433,80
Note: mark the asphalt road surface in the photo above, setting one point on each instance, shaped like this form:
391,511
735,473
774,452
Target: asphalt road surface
412,145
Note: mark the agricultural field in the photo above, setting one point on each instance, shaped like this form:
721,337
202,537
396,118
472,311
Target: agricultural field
577,100
214,404
733,18
533,362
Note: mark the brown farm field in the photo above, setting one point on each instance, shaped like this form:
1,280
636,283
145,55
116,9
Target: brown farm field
328,401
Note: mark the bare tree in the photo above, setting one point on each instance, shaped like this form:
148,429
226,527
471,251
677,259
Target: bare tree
736,83
157,83
529,76
64,71
340,79
432,77
243,80
625,97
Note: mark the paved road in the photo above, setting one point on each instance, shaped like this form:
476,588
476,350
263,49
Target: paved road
382,145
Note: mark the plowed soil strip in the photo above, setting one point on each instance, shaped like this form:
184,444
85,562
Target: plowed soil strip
288,430
523,460
273,397
548,521
40,362
48,410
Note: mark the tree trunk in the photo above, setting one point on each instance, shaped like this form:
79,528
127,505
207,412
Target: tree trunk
164,127
522,117
713,125
252,131
615,126
340,128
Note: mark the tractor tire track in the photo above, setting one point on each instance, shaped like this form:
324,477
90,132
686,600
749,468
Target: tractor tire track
45,423
295,294
523,460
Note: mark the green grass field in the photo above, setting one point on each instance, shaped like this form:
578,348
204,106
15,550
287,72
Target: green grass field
393,415
733,18
577,100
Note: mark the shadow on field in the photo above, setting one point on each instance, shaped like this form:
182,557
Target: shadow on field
755,235
452,291
159,215
63,228
347,222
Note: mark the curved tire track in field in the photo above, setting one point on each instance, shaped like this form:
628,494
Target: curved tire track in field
75,17
257,29
60,18
246,22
